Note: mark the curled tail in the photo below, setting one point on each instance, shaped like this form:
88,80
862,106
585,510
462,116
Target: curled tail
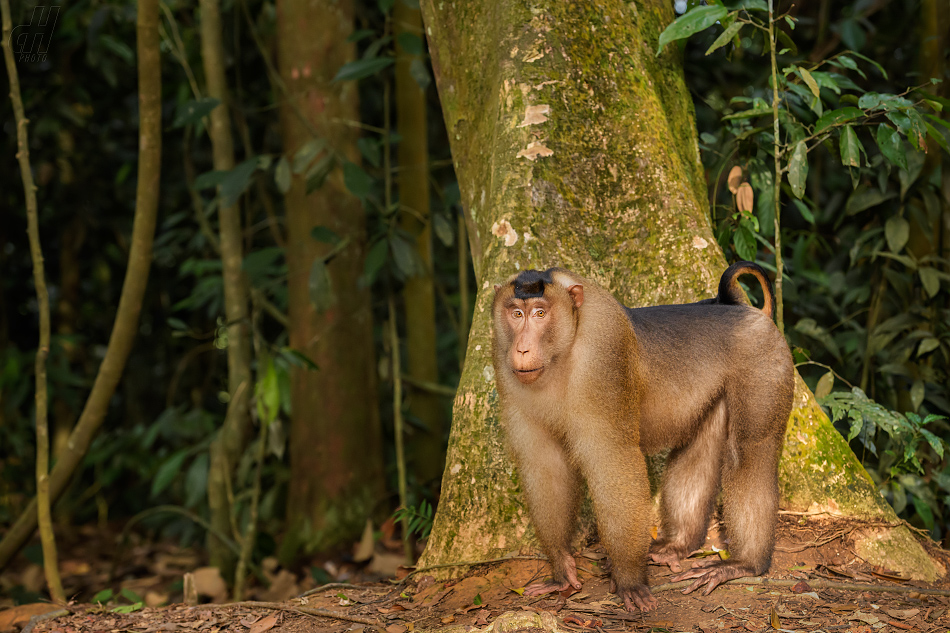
731,294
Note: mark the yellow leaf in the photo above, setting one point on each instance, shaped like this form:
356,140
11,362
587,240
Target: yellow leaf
810,82
745,197
773,620
735,177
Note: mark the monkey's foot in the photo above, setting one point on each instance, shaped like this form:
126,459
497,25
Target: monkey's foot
666,558
665,553
712,574
568,569
636,595
542,588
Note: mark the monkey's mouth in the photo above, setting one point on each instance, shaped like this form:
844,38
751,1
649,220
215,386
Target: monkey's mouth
528,376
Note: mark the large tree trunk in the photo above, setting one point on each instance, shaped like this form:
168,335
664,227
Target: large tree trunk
335,448
576,146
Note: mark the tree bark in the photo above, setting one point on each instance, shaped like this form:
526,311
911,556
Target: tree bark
133,288
418,294
575,145
336,447
232,438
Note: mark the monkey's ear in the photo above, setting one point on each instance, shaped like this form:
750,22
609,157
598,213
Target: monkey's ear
577,294
497,288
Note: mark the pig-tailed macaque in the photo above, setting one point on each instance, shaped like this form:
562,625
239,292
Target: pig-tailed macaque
588,386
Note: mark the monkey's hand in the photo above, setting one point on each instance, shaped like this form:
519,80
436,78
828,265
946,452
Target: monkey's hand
636,595
712,574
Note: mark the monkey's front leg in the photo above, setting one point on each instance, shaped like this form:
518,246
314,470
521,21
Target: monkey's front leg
551,486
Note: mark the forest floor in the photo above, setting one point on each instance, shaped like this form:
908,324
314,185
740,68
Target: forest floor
816,583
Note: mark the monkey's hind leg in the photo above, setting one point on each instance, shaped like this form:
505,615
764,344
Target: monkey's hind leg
690,484
551,485
750,510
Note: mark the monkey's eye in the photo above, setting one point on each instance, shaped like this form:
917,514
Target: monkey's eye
517,314
539,313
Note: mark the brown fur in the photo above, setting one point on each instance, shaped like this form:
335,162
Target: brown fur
588,386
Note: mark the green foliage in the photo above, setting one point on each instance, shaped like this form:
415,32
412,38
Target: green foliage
420,519
908,459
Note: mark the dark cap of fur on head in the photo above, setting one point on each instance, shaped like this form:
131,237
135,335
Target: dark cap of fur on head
530,283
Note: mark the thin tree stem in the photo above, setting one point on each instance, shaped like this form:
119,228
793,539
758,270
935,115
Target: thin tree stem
44,515
778,177
398,426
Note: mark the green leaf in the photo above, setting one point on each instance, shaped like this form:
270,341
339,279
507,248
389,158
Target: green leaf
282,175
930,278
236,181
478,600
168,471
928,344
811,328
411,43
118,47
103,596
267,394
357,181
360,35
321,287
177,324
836,117
128,608
307,152
890,143
851,148
375,259
726,36
443,229
798,169
363,68
325,235
935,442
825,383
897,231
810,82
369,148
419,72
917,392
865,197
880,68
317,175
690,23
405,255
744,242
191,112
748,114
805,211
196,481
933,133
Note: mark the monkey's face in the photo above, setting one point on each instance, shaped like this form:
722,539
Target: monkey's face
529,322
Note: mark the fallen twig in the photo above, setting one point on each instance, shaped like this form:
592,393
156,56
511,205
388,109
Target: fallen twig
277,606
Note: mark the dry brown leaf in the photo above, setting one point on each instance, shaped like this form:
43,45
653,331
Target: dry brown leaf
364,549
16,617
735,177
800,587
773,619
745,197
396,628
264,624
449,619
208,582
250,620
534,150
902,614
754,625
